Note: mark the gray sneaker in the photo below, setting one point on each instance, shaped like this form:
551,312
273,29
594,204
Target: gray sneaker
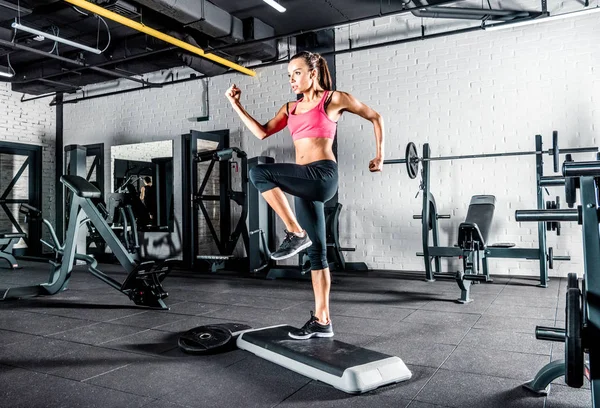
312,328
291,245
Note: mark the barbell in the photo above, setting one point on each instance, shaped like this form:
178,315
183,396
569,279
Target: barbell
411,158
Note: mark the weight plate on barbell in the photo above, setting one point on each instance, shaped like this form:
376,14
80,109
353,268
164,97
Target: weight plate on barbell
555,152
572,281
412,160
574,358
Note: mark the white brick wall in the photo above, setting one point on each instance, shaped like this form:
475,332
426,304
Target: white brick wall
469,93
28,123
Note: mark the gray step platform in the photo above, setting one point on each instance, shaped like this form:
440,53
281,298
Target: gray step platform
346,367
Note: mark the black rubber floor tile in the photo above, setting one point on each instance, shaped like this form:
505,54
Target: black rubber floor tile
357,325
164,404
300,291
419,404
252,382
10,337
36,353
516,324
258,317
97,333
526,301
317,394
561,396
89,362
527,312
420,353
498,363
552,283
47,391
478,306
466,390
158,377
361,340
263,302
381,297
33,323
149,319
190,322
369,311
443,333
506,341
149,342
98,311
530,290
193,308
443,318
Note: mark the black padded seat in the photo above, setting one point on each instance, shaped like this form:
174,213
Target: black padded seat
80,186
12,235
477,225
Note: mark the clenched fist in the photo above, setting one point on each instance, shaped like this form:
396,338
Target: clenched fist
233,93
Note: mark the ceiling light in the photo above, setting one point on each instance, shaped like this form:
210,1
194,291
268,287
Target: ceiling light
6,72
18,26
497,27
275,5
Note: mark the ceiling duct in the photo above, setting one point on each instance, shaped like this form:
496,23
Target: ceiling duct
5,35
462,13
10,11
120,7
54,76
200,15
255,29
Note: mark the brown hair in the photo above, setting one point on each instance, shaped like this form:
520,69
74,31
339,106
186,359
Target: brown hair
316,61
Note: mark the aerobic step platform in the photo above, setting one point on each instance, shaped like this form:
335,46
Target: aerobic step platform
346,367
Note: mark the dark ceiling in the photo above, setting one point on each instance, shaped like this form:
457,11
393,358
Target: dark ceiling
241,31
309,14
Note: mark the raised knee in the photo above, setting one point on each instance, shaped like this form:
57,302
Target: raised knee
256,174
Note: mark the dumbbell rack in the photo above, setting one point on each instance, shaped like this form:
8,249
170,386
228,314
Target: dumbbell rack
433,252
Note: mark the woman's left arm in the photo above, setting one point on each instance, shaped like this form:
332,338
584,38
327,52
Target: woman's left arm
347,102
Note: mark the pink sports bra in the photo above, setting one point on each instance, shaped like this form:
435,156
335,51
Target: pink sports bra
314,123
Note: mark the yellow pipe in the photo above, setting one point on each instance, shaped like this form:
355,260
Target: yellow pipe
157,34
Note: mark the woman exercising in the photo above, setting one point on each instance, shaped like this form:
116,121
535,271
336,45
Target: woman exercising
313,180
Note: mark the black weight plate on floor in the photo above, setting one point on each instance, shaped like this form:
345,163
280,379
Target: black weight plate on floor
210,339
412,165
574,358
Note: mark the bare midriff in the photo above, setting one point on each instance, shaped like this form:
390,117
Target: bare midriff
312,149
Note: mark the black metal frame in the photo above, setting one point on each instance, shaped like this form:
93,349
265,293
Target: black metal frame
34,165
189,151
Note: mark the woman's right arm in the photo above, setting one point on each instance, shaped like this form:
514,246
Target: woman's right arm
260,131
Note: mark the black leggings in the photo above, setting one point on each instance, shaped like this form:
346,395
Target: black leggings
311,185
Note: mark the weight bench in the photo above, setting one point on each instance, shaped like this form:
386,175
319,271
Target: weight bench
472,239
7,242
346,367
